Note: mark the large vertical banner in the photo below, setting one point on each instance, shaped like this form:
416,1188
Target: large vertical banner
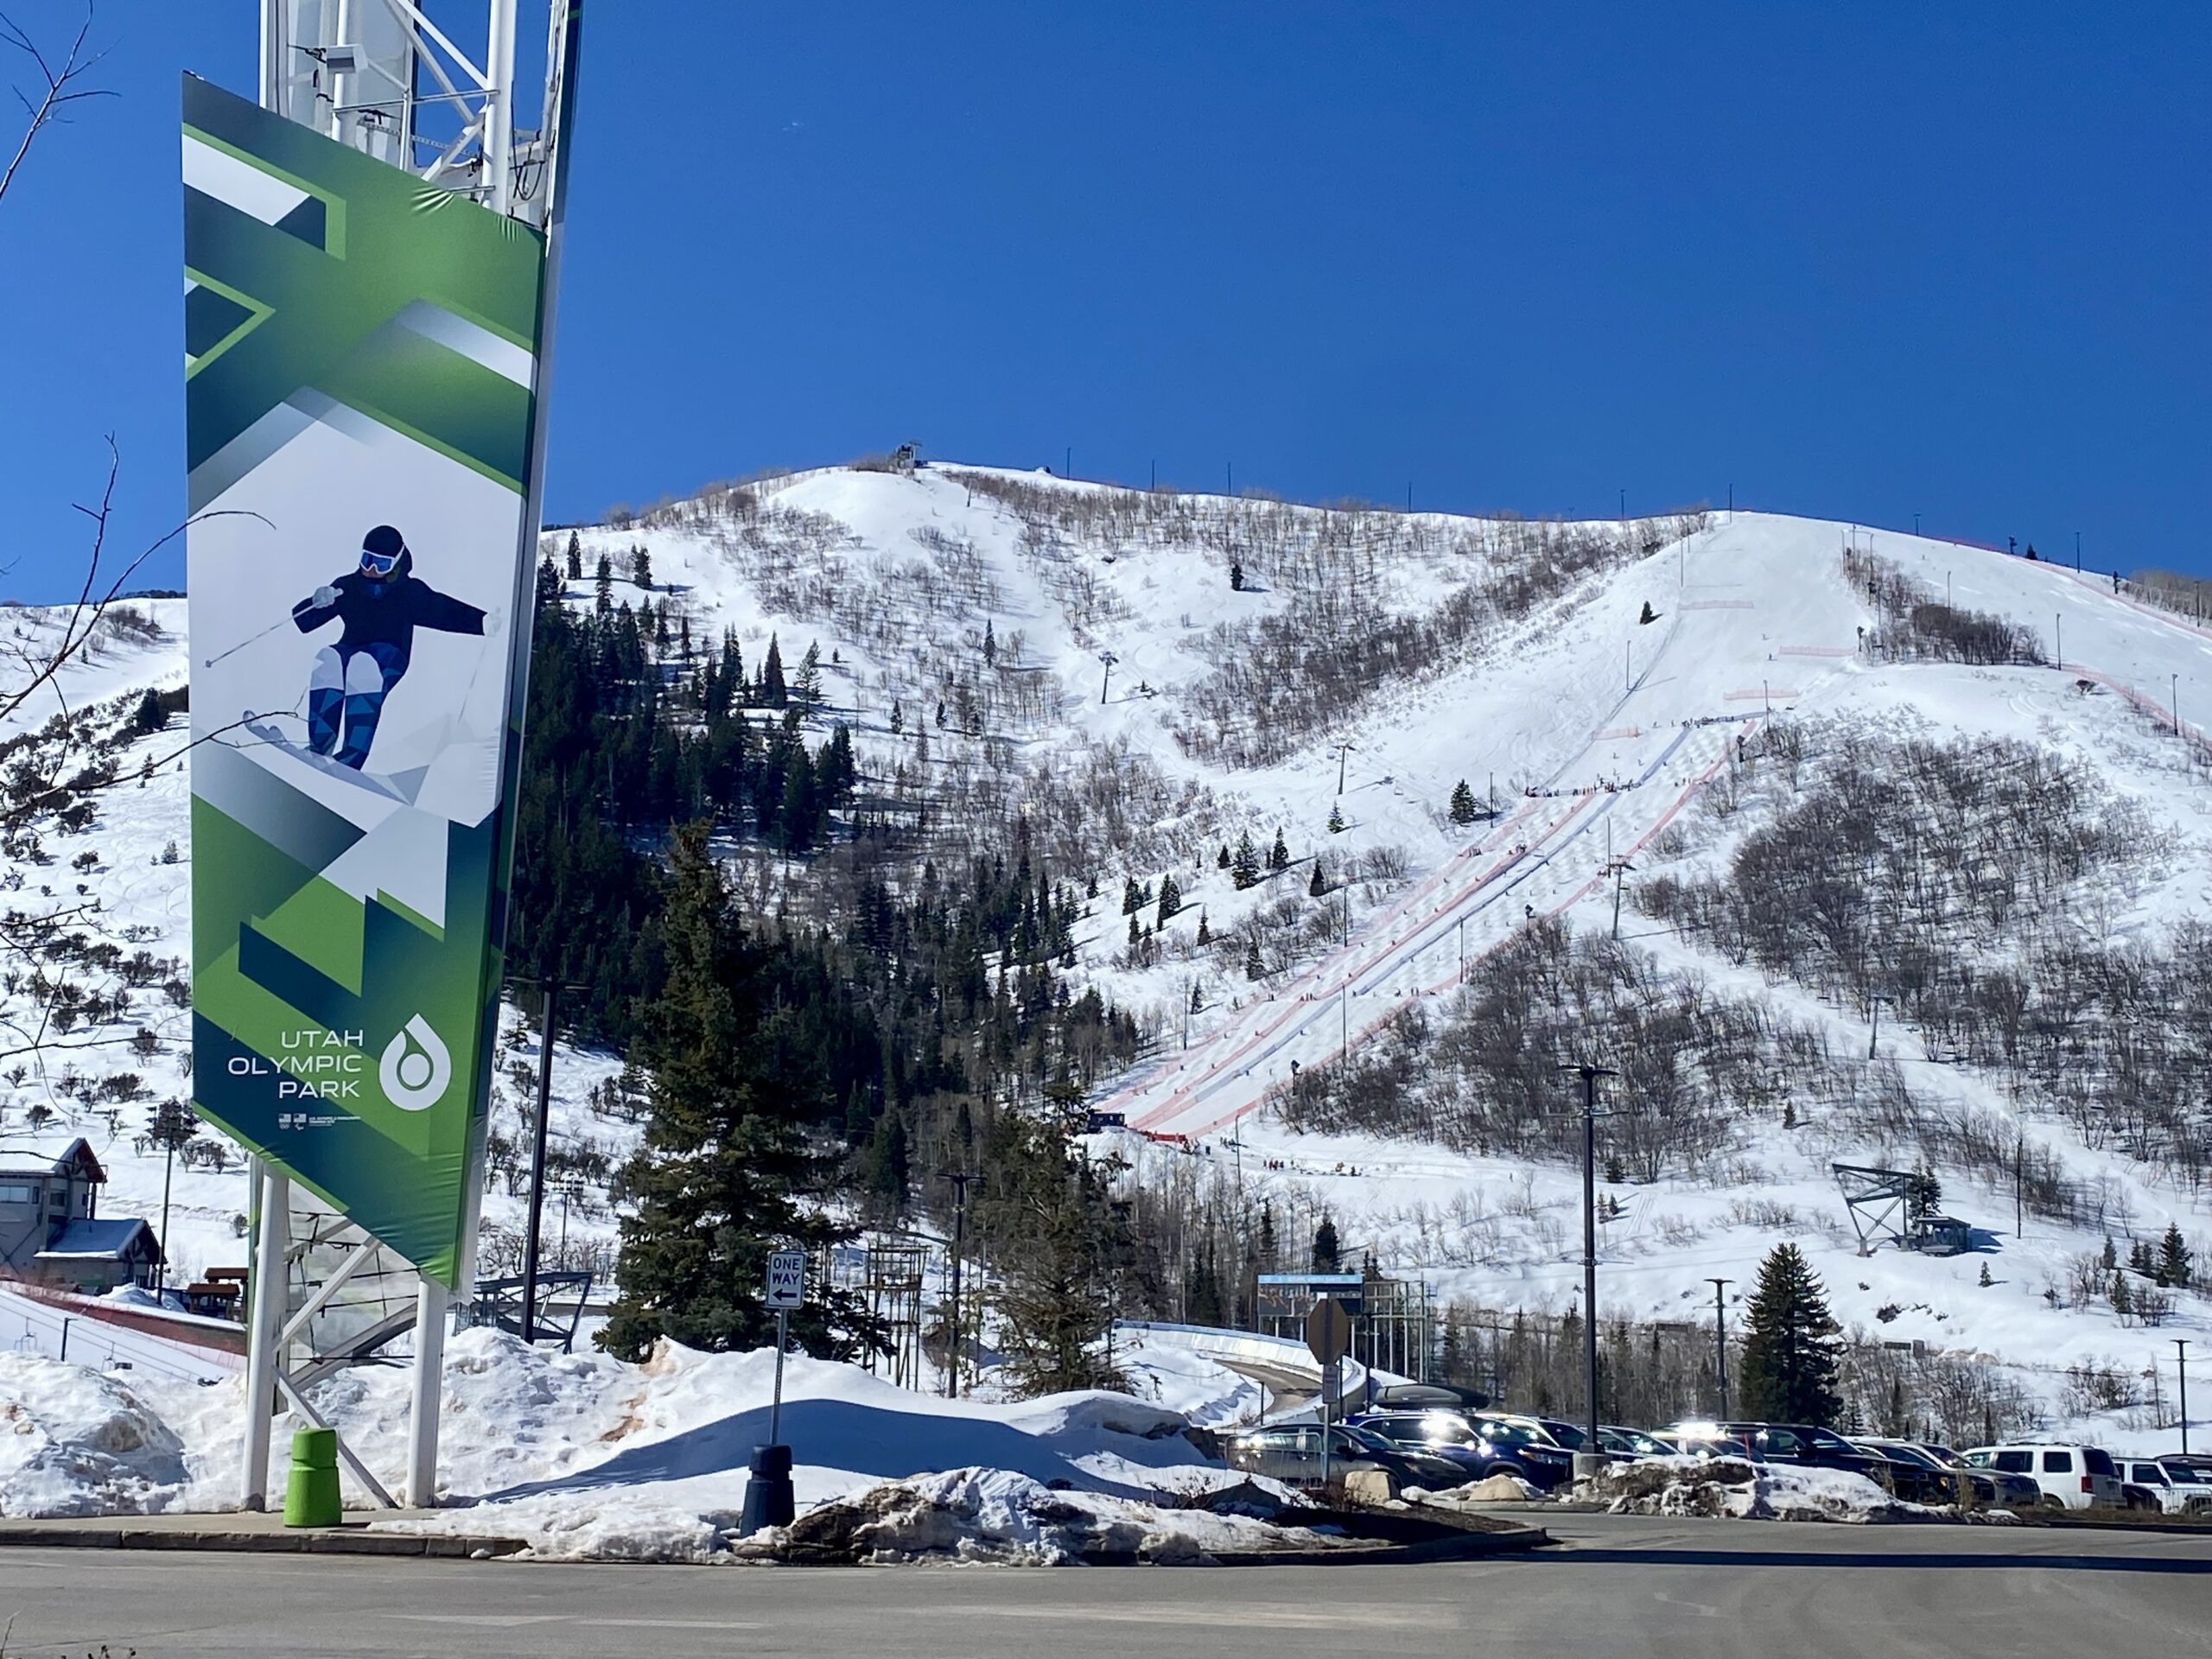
360,360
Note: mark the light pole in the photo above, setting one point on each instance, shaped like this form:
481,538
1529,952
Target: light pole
1590,1074
2181,1359
1720,1341
1621,868
959,1178
1342,749
1109,659
1874,1030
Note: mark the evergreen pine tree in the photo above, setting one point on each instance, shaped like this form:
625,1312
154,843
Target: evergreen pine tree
886,1162
1336,820
1279,854
1064,1244
898,719
1221,863
1463,805
1254,970
1235,577
1171,898
1318,884
724,1173
1328,1254
773,695
603,585
1136,928
1205,937
1985,1282
990,643
1244,867
2175,1267
149,715
809,681
641,567
1788,1371
576,558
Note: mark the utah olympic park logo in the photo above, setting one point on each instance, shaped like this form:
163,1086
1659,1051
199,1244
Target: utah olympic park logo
414,1069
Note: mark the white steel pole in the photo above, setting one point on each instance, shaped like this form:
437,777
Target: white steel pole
264,1351
272,53
430,1380
500,106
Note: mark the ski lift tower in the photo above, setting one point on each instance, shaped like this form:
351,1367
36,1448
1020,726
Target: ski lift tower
429,87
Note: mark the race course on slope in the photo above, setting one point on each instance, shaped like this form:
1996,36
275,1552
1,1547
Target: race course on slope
1762,622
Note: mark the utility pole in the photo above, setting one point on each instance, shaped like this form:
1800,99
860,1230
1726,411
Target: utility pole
2181,1359
1720,1341
552,989
1463,950
1343,1018
959,1178
2173,696
1342,749
2058,632
2077,551
1874,1031
1109,659
1916,524
1620,867
1590,1074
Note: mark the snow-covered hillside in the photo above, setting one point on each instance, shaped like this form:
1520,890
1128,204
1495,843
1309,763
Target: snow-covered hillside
1083,657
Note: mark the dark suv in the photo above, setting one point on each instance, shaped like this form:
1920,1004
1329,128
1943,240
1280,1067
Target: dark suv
1819,1448
1481,1445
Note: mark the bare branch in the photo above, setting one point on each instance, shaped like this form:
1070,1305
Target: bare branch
60,85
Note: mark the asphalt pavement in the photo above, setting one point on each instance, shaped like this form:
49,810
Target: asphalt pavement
1617,1586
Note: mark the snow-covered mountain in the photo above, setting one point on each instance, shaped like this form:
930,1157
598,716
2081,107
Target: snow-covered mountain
1147,680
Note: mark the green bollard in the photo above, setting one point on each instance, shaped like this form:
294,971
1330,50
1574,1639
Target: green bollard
311,1490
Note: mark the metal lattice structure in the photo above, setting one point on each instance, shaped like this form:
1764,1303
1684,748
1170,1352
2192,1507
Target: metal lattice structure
1884,1204
1392,1322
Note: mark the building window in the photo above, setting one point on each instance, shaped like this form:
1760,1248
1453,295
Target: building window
17,1192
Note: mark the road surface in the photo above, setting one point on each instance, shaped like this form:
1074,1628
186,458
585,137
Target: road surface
1669,1589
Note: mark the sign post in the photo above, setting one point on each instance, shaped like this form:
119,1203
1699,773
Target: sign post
768,1498
1328,1337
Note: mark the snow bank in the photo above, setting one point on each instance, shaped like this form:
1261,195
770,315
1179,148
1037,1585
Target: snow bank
990,1515
1729,1486
79,1443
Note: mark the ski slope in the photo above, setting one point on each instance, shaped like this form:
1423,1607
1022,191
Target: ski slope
1762,623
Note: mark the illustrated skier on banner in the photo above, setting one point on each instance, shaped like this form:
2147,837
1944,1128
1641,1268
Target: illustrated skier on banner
381,605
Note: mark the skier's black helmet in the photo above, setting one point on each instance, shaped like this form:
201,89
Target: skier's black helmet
381,548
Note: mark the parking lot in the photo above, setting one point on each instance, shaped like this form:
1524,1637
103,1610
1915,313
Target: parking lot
1616,1586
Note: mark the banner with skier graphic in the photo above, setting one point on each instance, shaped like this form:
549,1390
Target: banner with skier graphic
360,369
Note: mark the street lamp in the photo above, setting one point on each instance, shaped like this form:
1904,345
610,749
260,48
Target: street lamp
1590,1074
1720,1341
959,1178
1109,659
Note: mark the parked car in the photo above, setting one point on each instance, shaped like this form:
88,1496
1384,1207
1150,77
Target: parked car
1812,1446
1291,1452
2000,1487
2071,1477
1918,1476
1634,1442
2170,1484
1441,1434
1703,1442
1514,1445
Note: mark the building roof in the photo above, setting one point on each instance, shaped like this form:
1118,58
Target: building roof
103,1241
42,1160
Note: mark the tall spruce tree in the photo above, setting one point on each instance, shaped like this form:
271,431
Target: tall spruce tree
1062,1243
1463,803
1788,1371
724,1172
1244,867
1328,1254
576,558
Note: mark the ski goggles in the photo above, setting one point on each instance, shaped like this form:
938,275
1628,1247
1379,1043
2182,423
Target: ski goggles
382,564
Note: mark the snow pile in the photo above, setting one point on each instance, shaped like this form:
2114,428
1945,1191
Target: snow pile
1730,1486
74,1442
990,1515
1500,1487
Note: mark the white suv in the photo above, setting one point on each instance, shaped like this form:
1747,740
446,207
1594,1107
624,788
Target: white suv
2072,1476
2179,1488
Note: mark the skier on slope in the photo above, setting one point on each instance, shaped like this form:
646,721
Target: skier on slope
380,605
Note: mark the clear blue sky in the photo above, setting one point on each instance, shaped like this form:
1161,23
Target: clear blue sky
1861,261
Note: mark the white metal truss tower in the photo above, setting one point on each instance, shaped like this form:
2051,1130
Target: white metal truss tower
389,79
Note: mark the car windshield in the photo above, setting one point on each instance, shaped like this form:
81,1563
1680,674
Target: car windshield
1439,1428
1508,1435
1366,1438
1567,1434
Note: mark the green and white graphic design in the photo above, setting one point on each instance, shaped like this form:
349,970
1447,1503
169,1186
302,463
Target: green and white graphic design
360,364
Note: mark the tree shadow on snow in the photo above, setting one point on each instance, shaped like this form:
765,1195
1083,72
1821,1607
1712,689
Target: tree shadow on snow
836,1435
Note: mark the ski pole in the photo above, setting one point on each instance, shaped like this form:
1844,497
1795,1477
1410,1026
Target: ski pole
243,644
